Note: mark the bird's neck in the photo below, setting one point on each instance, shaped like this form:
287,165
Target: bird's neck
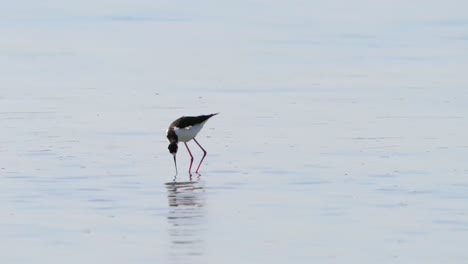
172,136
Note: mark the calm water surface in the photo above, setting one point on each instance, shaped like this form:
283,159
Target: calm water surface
341,138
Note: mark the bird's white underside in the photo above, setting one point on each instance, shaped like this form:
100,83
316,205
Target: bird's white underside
188,133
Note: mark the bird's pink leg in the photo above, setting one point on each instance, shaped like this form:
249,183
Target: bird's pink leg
191,158
204,155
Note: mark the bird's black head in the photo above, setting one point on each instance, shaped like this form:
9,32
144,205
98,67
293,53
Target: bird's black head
173,148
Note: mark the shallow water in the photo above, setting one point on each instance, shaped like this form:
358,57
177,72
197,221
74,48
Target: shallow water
341,138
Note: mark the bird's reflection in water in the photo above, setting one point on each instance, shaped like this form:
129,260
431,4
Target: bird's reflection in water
186,218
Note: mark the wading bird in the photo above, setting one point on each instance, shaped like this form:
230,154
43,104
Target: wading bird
185,129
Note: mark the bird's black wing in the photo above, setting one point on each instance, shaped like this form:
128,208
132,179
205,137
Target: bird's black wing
187,121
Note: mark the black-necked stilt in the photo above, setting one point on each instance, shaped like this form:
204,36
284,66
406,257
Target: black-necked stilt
185,129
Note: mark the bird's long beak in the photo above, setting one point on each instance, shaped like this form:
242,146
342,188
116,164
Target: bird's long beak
175,163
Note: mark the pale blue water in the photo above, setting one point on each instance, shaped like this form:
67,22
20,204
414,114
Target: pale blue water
341,138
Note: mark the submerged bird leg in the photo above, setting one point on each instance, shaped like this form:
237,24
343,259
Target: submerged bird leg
191,158
204,155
